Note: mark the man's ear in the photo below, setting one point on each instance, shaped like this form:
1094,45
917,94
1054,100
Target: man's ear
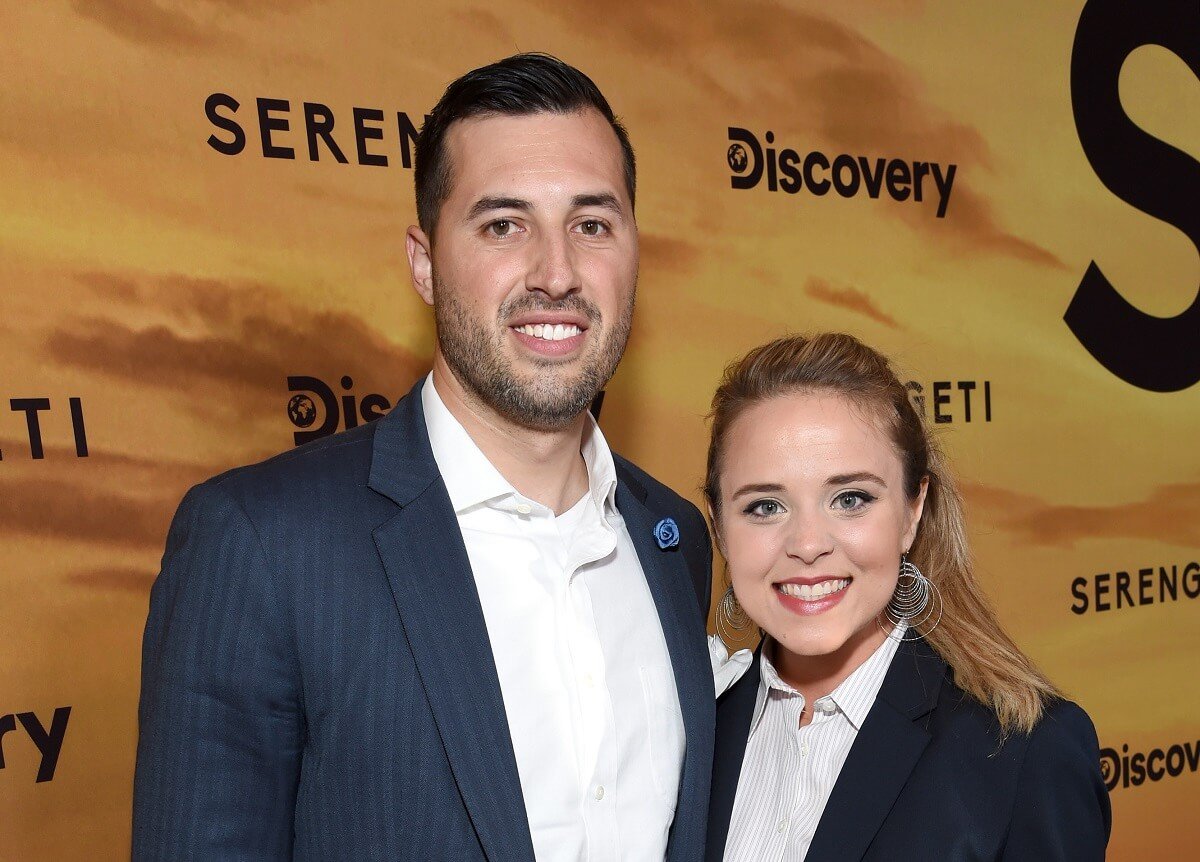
420,262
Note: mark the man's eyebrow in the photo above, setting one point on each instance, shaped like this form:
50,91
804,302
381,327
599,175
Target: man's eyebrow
607,200
851,478
485,205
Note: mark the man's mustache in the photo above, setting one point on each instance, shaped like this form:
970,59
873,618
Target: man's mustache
531,302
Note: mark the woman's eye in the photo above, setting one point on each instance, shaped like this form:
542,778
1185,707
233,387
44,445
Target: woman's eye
848,501
764,508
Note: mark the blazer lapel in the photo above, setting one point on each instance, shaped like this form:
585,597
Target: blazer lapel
682,624
426,561
888,746
735,709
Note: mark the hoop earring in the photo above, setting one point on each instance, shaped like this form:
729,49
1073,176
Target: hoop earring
732,620
916,601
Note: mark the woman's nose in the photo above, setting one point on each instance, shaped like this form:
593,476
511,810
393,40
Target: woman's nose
808,539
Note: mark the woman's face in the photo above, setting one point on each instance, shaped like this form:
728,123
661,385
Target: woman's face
814,518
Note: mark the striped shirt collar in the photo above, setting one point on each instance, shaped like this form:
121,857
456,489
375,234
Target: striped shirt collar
854,697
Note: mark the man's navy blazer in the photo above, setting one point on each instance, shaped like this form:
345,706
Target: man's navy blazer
927,779
318,683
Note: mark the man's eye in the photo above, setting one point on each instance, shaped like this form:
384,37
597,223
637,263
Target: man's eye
593,227
501,227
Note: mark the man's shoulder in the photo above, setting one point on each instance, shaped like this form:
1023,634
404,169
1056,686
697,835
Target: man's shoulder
342,459
338,458
321,489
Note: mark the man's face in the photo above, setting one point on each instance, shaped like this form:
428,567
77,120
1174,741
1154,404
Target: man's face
533,266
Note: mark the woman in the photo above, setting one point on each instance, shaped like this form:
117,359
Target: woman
887,716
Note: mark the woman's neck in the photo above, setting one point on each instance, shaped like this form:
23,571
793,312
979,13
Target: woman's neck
816,676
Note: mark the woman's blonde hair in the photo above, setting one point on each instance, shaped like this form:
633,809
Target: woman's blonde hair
985,661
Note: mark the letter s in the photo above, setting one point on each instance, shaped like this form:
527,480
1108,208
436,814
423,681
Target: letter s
1137,769
1154,353
229,124
1079,591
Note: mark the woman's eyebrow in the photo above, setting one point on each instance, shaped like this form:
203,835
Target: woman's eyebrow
759,488
851,478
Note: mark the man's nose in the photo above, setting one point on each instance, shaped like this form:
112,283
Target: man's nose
554,270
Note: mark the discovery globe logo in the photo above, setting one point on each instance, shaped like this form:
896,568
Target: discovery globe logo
302,410
737,158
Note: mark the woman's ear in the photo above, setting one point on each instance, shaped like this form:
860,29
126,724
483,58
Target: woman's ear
916,509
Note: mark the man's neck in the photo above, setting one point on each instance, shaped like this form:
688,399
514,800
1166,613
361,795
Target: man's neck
545,466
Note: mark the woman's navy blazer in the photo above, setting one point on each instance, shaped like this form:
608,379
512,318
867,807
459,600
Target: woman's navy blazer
928,780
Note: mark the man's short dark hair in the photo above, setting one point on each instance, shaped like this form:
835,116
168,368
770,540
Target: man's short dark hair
515,86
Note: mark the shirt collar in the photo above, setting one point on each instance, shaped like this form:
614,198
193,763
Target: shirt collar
856,694
471,479
602,470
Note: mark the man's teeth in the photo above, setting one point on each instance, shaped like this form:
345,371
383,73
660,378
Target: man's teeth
811,592
550,331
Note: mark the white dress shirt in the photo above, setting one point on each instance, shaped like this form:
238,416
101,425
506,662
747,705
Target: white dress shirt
583,664
789,771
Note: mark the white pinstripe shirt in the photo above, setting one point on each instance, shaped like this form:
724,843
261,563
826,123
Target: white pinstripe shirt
789,771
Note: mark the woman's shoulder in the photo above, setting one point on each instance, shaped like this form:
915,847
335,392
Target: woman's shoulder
1043,784
1063,715
1064,736
1064,726
1060,754
1062,720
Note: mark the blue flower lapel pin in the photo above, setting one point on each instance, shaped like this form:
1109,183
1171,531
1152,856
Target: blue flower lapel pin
666,533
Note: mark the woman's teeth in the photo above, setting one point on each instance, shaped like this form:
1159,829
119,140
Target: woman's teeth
811,592
550,331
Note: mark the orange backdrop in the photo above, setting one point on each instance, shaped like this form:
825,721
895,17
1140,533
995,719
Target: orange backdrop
178,239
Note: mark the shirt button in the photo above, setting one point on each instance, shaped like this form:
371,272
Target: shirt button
524,508
804,749
599,792
782,825
589,680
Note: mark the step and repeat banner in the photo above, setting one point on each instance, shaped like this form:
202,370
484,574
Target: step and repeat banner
202,214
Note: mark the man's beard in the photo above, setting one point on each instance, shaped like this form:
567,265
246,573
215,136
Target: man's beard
541,401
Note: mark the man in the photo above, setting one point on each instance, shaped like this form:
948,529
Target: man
466,631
